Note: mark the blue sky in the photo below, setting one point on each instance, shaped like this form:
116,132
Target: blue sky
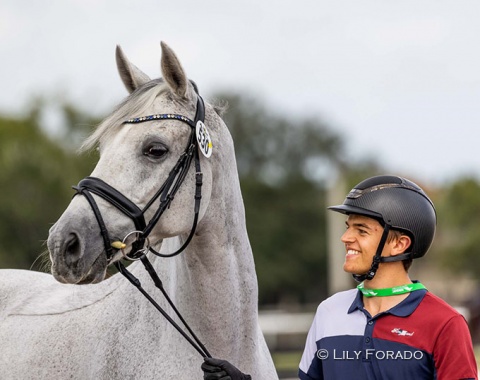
400,80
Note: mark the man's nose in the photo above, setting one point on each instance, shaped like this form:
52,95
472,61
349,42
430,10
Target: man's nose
347,236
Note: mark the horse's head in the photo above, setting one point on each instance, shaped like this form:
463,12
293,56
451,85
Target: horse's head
144,163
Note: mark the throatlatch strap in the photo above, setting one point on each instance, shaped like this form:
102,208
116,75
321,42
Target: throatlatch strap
198,197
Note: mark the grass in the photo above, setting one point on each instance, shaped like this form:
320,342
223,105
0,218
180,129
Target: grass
287,361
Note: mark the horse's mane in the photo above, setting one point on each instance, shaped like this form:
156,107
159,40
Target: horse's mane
132,106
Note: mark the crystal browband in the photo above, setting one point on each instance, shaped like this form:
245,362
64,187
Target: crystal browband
162,116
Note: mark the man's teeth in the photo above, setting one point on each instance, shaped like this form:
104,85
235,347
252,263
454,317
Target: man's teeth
352,252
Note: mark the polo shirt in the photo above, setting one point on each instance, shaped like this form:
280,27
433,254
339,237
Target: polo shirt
420,338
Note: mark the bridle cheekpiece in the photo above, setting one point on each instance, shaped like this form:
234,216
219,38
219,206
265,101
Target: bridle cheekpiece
166,192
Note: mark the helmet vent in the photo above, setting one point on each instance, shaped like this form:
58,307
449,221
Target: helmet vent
356,193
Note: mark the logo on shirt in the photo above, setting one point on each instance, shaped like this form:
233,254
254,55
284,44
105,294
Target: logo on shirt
402,288
401,332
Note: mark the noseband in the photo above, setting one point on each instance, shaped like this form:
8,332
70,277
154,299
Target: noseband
166,192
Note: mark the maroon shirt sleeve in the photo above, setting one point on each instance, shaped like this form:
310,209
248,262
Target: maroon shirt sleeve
453,351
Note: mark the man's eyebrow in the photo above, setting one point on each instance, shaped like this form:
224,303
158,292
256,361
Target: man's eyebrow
359,225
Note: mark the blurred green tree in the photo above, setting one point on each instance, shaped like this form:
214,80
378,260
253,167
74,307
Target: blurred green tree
458,240
284,167
36,174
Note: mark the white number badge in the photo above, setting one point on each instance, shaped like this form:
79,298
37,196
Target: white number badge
203,139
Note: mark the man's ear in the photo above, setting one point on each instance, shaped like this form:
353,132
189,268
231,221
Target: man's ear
401,245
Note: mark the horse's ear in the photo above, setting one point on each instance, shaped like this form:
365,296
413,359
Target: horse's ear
132,76
173,72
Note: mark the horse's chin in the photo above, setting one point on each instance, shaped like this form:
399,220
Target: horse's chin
93,278
95,274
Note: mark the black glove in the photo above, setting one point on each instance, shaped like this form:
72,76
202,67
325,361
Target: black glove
216,369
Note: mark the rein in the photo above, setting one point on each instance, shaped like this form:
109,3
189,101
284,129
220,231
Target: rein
195,343
166,193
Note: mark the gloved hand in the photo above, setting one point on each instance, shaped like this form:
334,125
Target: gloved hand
216,369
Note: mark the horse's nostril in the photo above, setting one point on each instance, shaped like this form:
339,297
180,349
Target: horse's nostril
73,245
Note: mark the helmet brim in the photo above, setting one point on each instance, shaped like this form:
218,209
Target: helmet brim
347,210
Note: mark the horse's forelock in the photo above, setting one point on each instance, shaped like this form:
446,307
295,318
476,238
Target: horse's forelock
133,105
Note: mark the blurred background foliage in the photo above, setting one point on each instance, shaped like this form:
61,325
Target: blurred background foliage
286,167
36,175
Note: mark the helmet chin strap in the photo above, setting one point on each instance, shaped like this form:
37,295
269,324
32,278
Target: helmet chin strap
377,259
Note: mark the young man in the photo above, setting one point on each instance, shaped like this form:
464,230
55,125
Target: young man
390,327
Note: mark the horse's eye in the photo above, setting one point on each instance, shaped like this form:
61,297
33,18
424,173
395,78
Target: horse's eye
155,150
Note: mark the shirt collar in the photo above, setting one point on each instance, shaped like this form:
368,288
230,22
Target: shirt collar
403,309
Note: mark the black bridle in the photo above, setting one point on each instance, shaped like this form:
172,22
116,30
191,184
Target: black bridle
166,193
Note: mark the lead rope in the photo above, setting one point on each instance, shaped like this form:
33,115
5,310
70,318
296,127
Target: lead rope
195,342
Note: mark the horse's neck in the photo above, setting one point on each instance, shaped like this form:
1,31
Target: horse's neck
213,282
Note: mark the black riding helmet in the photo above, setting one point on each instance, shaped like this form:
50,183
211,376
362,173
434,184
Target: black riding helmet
396,203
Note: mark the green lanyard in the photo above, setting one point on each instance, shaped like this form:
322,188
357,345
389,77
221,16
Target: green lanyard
396,290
